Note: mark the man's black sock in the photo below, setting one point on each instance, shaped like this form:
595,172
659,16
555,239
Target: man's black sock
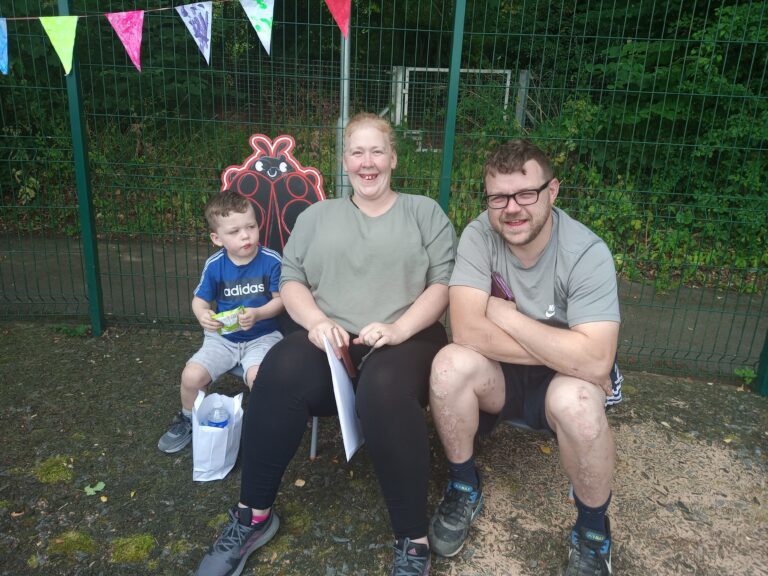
465,472
591,518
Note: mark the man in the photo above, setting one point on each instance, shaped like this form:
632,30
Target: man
547,356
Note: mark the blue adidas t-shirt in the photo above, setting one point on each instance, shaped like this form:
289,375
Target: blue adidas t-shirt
250,285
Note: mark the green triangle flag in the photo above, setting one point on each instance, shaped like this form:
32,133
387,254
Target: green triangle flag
61,31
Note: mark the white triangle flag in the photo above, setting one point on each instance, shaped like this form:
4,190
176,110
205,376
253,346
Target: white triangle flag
260,13
197,17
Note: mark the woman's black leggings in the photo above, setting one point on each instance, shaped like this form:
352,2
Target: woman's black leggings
294,382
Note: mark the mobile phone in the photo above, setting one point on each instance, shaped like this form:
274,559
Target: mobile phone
500,289
347,360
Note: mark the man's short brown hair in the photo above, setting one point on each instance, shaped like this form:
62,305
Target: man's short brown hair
511,156
220,205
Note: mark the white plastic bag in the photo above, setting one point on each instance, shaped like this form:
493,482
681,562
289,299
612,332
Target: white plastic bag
214,450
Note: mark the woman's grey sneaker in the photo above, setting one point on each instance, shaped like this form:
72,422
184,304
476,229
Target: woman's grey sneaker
449,526
411,559
179,434
590,552
237,542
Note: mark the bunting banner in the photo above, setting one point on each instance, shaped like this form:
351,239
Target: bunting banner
61,31
260,13
3,46
129,26
341,10
197,18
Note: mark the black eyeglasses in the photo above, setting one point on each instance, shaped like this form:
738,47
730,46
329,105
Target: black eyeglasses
522,198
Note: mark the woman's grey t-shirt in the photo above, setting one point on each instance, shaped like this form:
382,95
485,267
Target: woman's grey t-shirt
362,269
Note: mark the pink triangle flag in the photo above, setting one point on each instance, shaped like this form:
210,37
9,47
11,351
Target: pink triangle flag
341,9
197,18
61,31
128,26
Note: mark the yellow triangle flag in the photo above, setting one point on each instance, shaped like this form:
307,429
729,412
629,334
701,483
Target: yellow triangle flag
61,31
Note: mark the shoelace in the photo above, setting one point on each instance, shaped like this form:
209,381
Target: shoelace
178,426
406,565
587,559
233,536
454,505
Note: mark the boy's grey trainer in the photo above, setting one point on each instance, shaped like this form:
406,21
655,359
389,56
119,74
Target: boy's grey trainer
237,542
179,434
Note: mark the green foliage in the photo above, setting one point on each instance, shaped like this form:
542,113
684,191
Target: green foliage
747,375
655,116
92,490
79,330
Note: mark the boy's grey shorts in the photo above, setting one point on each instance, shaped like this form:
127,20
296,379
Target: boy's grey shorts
218,355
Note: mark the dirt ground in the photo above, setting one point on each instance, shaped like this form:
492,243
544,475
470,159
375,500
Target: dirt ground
84,490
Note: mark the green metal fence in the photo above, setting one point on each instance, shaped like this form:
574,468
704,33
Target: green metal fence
656,116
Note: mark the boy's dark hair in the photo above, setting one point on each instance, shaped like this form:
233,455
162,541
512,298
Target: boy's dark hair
511,156
221,205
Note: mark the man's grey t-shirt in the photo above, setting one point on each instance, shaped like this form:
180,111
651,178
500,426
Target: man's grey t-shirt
573,282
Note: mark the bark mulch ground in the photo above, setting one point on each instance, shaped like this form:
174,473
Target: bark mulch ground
84,490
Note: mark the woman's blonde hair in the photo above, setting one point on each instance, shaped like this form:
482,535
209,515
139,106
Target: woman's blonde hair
368,119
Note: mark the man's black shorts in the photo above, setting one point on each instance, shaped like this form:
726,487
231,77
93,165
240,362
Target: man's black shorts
526,387
525,391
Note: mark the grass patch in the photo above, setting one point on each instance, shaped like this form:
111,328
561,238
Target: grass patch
299,520
132,549
55,469
70,543
218,520
180,548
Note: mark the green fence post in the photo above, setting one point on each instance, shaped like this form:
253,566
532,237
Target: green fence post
83,183
449,137
761,386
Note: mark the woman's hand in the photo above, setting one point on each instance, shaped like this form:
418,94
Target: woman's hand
336,335
377,335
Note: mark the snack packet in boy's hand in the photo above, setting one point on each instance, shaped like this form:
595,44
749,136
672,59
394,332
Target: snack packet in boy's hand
229,320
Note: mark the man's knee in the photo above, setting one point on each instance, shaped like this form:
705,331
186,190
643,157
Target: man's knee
576,408
452,370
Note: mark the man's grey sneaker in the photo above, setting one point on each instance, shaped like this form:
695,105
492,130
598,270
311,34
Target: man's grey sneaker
411,559
179,434
449,526
590,552
236,543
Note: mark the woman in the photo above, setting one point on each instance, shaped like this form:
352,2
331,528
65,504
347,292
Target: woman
369,271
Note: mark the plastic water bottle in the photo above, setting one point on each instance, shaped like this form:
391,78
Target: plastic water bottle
218,417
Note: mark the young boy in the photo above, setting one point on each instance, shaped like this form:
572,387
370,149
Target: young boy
240,274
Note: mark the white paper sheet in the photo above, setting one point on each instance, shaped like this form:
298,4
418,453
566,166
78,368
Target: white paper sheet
351,431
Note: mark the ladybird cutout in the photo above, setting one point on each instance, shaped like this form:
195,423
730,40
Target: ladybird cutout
279,187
